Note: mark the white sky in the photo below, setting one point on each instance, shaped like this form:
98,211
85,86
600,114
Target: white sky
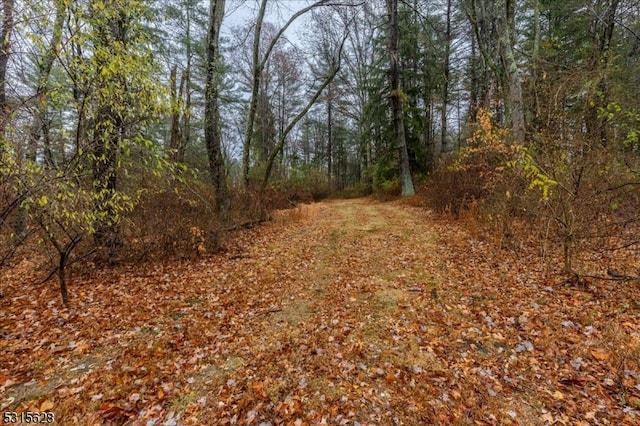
239,12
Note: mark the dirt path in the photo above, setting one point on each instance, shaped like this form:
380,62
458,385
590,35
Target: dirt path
343,312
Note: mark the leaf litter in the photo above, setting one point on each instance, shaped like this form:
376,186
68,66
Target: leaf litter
341,312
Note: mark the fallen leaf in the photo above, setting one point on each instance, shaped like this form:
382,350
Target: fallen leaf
46,405
600,355
82,348
5,381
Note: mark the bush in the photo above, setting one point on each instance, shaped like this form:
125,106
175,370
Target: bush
176,219
477,173
577,195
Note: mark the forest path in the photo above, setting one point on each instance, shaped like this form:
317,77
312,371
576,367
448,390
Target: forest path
340,312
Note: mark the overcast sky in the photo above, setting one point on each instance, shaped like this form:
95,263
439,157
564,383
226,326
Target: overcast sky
239,12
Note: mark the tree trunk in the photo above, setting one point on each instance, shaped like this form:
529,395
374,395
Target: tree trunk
38,125
5,51
513,102
45,63
445,87
174,131
212,109
474,90
108,129
396,100
493,23
603,27
535,65
186,75
253,105
330,137
105,151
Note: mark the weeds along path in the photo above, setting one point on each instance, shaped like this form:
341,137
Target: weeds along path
341,312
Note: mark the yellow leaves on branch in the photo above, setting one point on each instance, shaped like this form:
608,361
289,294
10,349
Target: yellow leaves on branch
489,153
533,173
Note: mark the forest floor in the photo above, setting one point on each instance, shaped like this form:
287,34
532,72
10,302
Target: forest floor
349,312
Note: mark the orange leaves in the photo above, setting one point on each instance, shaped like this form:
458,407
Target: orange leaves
258,389
357,348
46,405
601,355
5,381
360,314
389,378
290,407
82,347
110,412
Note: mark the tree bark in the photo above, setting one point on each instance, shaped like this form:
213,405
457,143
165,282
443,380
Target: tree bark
174,131
253,106
107,130
330,137
5,51
493,23
535,65
445,87
186,75
474,81
396,99
212,108
513,101
38,126
602,31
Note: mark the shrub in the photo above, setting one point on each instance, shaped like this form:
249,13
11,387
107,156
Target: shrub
176,219
477,173
576,194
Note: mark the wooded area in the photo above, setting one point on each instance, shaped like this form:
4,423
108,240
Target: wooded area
140,136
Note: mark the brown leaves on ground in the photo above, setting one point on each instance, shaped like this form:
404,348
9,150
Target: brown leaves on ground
344,312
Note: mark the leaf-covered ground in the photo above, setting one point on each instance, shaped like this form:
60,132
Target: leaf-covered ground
345,312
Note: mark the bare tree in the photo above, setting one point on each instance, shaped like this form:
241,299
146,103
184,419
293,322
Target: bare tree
446,74
360,55
175,98
39,127
258,65
602,29
333,71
